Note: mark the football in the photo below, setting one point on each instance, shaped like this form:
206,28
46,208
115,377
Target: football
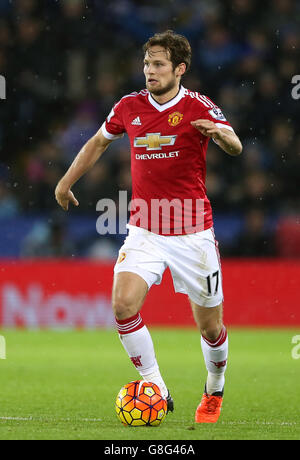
140,403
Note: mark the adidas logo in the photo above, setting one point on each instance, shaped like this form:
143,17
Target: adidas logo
136,121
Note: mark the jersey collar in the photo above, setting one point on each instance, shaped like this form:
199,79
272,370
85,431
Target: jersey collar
167,105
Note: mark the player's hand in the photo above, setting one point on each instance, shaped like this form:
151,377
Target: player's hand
207,128
64,196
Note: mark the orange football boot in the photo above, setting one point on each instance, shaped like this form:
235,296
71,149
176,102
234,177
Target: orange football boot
209,409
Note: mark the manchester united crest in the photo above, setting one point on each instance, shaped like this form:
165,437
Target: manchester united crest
121,257
175,118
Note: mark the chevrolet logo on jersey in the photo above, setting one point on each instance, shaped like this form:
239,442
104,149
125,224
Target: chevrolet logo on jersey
154,141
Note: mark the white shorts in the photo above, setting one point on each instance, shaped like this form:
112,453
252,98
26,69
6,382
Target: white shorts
193,260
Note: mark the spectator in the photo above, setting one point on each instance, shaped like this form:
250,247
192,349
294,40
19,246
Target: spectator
9,206
48,240
257,239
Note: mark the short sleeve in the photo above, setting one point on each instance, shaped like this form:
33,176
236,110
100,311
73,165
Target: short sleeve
215,114
113,127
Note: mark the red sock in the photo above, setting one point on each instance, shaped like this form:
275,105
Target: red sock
132,324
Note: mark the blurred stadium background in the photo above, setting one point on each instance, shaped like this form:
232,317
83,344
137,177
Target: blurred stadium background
65,64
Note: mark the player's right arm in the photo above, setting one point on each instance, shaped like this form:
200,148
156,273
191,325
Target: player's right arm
84,161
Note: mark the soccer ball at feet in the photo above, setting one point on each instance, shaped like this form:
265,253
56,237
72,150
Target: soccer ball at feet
140,403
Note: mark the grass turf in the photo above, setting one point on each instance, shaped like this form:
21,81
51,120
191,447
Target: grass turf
62,385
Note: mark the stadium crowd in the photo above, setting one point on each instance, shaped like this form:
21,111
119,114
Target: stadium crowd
67,62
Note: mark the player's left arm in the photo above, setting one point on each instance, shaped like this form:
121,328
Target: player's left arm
225,138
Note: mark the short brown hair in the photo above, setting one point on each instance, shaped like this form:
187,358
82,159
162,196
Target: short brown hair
177,45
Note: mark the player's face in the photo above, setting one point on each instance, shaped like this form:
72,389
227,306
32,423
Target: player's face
158,70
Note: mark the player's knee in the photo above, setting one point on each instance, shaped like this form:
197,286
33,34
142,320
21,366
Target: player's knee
212,330
124,306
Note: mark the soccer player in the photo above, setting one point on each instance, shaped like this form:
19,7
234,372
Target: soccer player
169,128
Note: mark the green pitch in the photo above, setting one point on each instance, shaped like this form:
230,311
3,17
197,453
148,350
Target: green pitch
62,385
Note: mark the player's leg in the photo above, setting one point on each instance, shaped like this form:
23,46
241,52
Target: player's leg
195,266
214,343
129,292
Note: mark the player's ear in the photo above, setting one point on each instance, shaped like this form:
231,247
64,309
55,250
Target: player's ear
180,69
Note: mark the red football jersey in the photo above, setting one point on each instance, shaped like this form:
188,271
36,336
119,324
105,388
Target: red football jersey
168,159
